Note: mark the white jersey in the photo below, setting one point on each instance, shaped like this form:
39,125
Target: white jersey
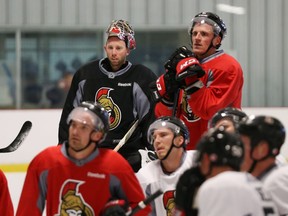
152,178
277,185
234,193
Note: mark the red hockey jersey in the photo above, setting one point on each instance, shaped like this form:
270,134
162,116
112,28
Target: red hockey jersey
64,185
223,84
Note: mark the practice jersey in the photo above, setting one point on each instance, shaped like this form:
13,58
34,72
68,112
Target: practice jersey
234,193
152,178
6,206
125,94
277,185
223,82
79,187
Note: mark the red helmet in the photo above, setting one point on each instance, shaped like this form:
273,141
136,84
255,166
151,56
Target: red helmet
123,30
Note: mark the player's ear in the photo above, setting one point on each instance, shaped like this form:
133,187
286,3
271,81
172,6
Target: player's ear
261,150
96,136
179,141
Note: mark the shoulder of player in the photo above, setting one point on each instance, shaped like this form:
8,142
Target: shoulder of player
150,170
143,71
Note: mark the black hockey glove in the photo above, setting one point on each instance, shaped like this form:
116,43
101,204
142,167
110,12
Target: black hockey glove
179,54
186,190
164,88
114,208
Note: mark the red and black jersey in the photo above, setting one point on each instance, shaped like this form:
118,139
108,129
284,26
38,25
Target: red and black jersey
62,184
223,83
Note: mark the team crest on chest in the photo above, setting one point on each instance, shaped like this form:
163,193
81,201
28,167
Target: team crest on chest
103,97
187,111
71,200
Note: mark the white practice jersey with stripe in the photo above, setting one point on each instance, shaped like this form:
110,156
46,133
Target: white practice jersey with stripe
234,193
152,178
277,185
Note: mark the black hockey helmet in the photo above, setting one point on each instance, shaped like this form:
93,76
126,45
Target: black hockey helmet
99,116
266,128
223,148
232,113
175,124
212,19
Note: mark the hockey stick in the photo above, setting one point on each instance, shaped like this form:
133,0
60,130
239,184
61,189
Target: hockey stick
175,102
127,135
143,204
25,129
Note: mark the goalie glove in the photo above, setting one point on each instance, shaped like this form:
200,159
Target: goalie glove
186,190
188,72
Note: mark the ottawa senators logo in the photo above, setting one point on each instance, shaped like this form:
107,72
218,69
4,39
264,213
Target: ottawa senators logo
188,113
169,203
72,202
102,97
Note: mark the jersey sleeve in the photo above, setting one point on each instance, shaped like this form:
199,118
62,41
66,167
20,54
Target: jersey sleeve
6,205
223,87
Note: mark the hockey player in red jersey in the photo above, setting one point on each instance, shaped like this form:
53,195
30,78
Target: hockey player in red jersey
77,177
208,78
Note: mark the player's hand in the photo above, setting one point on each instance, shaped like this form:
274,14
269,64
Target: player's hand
186,190
114,208
188,72
179,54
164,88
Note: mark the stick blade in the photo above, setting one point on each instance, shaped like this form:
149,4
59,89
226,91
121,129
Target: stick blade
24,131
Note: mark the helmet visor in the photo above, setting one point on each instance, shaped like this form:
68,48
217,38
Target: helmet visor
158,125
205,20
85,116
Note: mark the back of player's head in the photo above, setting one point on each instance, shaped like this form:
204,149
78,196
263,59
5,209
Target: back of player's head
176,125
264,128
223,148
231,113
95,112
124,31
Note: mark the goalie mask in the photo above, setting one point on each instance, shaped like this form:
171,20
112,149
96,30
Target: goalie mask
223,148
123,30
177,126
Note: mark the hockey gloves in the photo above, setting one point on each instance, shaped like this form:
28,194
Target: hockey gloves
164,88
114,208
188,72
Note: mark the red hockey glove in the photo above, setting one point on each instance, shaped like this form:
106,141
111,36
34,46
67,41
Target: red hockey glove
188,72
114,208
164,88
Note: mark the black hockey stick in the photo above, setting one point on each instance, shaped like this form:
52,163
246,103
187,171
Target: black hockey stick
143,204
175,102
25,129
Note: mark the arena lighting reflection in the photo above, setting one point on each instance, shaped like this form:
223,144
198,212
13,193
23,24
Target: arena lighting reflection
231,9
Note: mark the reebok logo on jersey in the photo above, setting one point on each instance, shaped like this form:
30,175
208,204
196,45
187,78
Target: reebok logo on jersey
124,84
96,175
